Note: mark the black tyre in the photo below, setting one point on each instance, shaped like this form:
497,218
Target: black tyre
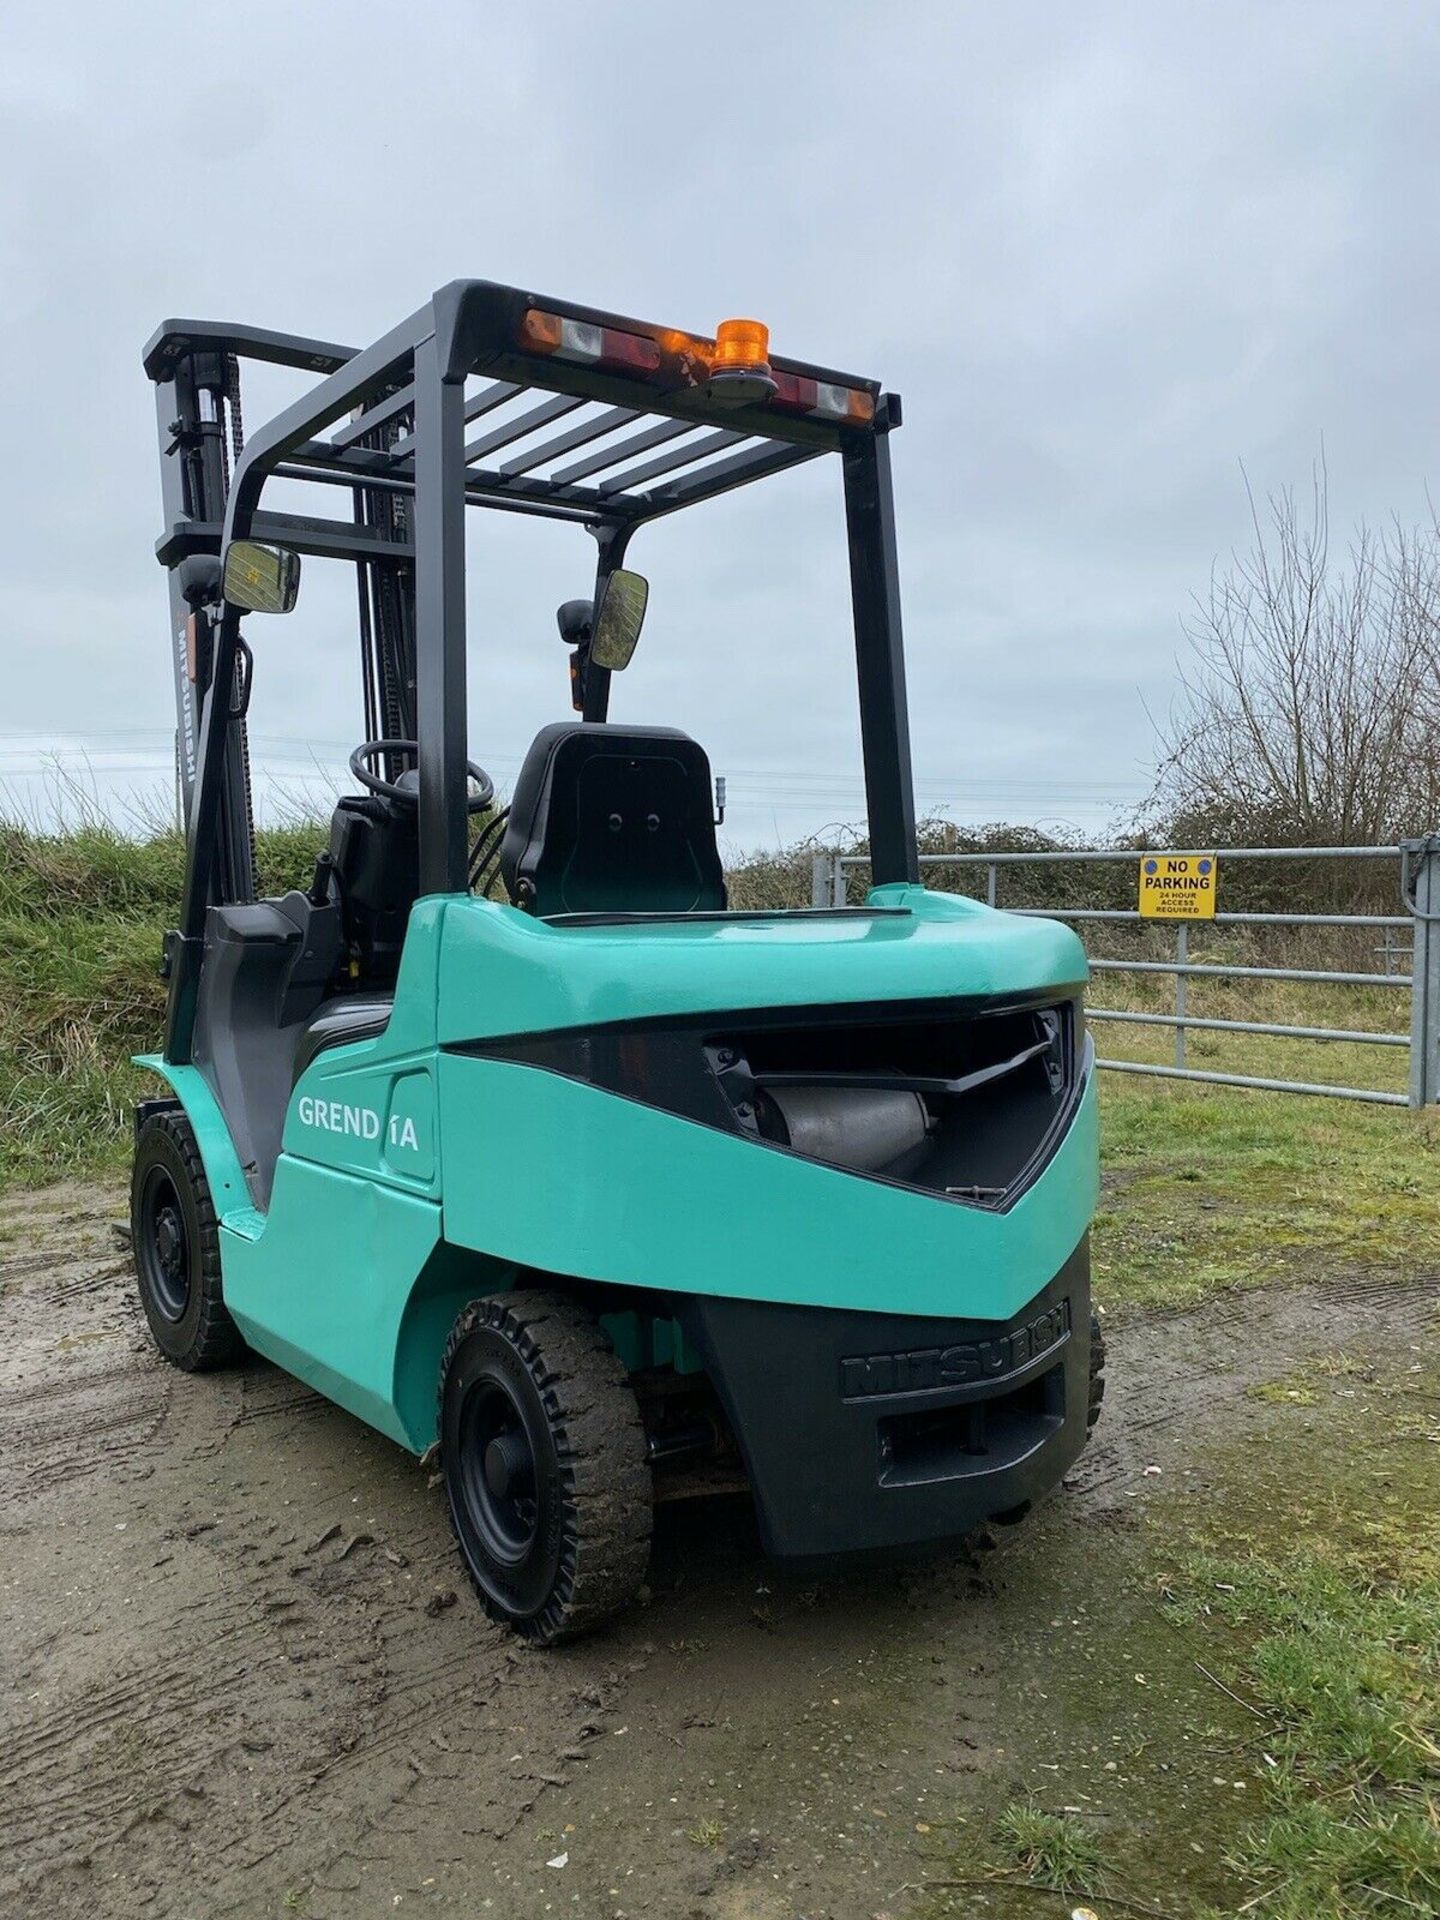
176,1244
1097,1371
543,1456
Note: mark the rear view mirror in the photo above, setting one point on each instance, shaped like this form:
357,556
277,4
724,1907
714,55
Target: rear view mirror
261,579
619,619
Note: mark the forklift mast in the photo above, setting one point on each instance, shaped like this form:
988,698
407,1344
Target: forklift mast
199,415
200,425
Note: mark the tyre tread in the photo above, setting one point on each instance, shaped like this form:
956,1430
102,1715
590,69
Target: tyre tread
217,1341
600,1441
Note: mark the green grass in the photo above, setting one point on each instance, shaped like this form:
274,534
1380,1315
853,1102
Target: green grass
81,919
1230,1705
1213,1188
1049,1849
1335,1644
1022,1850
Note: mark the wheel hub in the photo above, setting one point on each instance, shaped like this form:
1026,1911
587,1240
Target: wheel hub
169,1241
499,1474
508,1466
163,1246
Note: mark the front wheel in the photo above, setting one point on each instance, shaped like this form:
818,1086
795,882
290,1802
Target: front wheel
543,1455
176,1243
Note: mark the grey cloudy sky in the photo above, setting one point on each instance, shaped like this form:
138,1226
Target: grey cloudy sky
1106,252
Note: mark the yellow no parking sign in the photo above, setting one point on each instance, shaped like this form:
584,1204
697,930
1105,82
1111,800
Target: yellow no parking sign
1178,886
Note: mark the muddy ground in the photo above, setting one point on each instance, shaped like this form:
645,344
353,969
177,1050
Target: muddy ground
242,1675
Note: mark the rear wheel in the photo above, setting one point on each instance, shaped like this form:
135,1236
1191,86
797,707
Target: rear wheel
543,1455
176,1243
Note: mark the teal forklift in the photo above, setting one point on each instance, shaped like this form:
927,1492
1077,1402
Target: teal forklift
507,1133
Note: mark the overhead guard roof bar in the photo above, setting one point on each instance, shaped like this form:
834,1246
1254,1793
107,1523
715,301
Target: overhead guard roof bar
608,422
377,416
513,488
722,476
591,510
483,402
611,456
492,488
555,408
681,456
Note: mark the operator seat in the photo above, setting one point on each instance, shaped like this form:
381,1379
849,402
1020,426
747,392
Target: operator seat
375,858
613,820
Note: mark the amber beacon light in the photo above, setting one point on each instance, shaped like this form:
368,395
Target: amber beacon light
740,366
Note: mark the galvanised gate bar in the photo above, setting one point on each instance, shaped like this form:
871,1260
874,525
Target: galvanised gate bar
1418,887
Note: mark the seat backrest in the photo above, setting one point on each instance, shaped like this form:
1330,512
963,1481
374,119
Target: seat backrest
375,848
613,820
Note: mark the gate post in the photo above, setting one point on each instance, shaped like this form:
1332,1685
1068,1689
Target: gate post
1420,889
827,880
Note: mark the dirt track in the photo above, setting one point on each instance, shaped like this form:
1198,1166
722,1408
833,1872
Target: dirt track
243,1677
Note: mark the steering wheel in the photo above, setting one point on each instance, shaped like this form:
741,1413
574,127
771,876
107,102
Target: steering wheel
370,750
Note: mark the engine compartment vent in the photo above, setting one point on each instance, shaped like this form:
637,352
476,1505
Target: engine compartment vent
962,1106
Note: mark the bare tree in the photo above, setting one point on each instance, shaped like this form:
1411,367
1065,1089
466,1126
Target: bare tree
1309,711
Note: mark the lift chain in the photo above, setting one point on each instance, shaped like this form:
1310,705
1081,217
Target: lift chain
232,402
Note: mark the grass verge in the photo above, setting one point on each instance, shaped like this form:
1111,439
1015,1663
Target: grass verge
1208,1188
1339,1654
1235,1701
81,917
1322,1614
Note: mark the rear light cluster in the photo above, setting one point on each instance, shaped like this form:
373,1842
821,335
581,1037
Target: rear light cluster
738,355
823,399
595,346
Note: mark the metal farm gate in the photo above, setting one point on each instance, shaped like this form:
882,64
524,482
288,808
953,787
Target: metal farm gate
1408,941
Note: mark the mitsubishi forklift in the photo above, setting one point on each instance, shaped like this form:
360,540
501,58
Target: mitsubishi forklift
508,1133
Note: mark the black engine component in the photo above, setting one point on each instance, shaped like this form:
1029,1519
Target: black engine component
859,1127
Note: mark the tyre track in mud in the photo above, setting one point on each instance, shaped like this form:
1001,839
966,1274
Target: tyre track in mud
234,1642
1169,1362
242,1666
75,1396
